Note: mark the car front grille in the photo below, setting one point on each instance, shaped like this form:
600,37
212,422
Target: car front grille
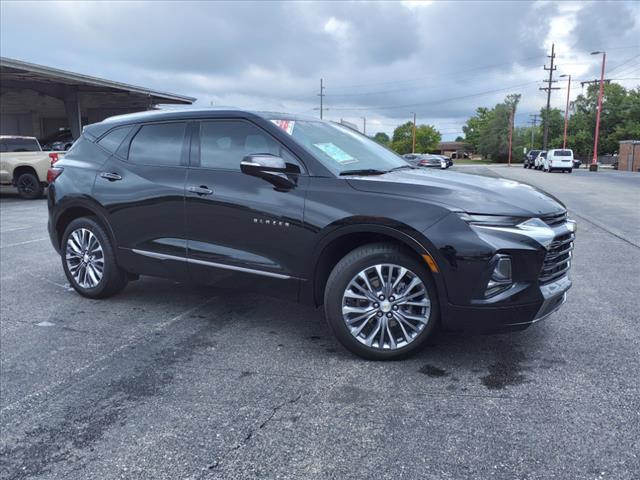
555,219
558,258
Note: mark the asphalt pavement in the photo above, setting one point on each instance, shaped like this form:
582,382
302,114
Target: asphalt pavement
173,381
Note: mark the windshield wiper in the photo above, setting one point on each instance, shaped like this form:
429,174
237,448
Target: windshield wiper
403,166
363,171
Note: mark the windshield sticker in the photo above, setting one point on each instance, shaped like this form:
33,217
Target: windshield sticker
335,153
286,125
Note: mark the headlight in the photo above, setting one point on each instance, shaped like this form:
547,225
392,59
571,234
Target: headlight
531,227
492,220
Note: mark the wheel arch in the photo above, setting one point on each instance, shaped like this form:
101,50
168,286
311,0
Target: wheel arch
339,242
20,169
78,209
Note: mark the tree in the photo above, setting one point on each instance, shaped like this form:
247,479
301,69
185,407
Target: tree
459,139
473,129
382,138
556,127
619,119
427,138
493,132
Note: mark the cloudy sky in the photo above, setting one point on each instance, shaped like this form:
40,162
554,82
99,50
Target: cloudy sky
381,61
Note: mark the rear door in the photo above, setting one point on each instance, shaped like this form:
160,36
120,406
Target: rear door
236,222
142,188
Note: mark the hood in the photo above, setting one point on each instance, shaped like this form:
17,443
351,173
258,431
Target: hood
462,191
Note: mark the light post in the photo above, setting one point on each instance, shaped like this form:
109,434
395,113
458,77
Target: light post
594,161
566,112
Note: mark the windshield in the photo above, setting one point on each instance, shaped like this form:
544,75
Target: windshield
341,149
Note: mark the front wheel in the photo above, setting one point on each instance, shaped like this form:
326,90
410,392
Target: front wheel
380,302
89,260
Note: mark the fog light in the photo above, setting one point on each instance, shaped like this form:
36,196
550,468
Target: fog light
501,277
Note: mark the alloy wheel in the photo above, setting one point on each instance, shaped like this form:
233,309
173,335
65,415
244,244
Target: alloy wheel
85,258
26,184
386,306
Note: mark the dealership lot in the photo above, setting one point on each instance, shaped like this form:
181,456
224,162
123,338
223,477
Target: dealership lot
169,380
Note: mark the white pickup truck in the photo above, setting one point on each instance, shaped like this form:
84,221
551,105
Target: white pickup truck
24,165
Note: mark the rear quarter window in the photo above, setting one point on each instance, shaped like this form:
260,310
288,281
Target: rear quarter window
113,139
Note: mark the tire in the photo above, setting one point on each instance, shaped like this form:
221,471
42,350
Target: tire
29,187
570,170
77,237
408,336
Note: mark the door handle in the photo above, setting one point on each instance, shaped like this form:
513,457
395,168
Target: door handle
201,190
111,176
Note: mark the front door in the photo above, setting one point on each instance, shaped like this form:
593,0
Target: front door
237,223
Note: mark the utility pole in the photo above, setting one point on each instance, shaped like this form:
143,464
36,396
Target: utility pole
364,125
321,95
566,112
510,133
594,162
534,121
413,148
548,89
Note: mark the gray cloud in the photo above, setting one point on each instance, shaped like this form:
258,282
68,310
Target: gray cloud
431,59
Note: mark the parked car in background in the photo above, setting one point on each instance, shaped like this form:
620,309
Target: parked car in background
446,159
426,160
59,141
539,160
312,211
558,159
24,165
576,163
530,158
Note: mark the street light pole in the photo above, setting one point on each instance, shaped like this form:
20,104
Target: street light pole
594,161
566,113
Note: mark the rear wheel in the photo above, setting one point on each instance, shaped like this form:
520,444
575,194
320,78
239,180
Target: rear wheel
29,187
89,261
380,302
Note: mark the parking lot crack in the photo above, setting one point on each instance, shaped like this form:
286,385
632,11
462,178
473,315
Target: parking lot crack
252,432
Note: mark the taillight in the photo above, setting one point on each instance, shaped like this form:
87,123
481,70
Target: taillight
53,156
53,173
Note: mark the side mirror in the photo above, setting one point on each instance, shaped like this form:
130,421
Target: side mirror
269,167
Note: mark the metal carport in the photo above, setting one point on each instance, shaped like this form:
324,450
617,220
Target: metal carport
38,100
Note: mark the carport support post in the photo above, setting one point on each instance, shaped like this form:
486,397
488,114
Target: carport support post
72,108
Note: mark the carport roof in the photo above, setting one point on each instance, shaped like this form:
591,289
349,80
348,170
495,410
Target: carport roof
19,74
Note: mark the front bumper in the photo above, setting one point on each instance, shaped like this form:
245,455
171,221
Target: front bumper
541,257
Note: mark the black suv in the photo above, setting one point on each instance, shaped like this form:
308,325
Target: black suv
299,207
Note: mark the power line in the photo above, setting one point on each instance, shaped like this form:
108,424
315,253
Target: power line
434,102
419,79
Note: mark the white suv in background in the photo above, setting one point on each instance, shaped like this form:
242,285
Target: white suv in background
538,161
558,159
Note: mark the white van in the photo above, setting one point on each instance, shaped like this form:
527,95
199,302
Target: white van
558,159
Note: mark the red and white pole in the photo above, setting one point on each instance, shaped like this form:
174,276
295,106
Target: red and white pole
594,161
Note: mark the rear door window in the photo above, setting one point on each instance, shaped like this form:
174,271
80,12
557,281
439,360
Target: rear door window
158,144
